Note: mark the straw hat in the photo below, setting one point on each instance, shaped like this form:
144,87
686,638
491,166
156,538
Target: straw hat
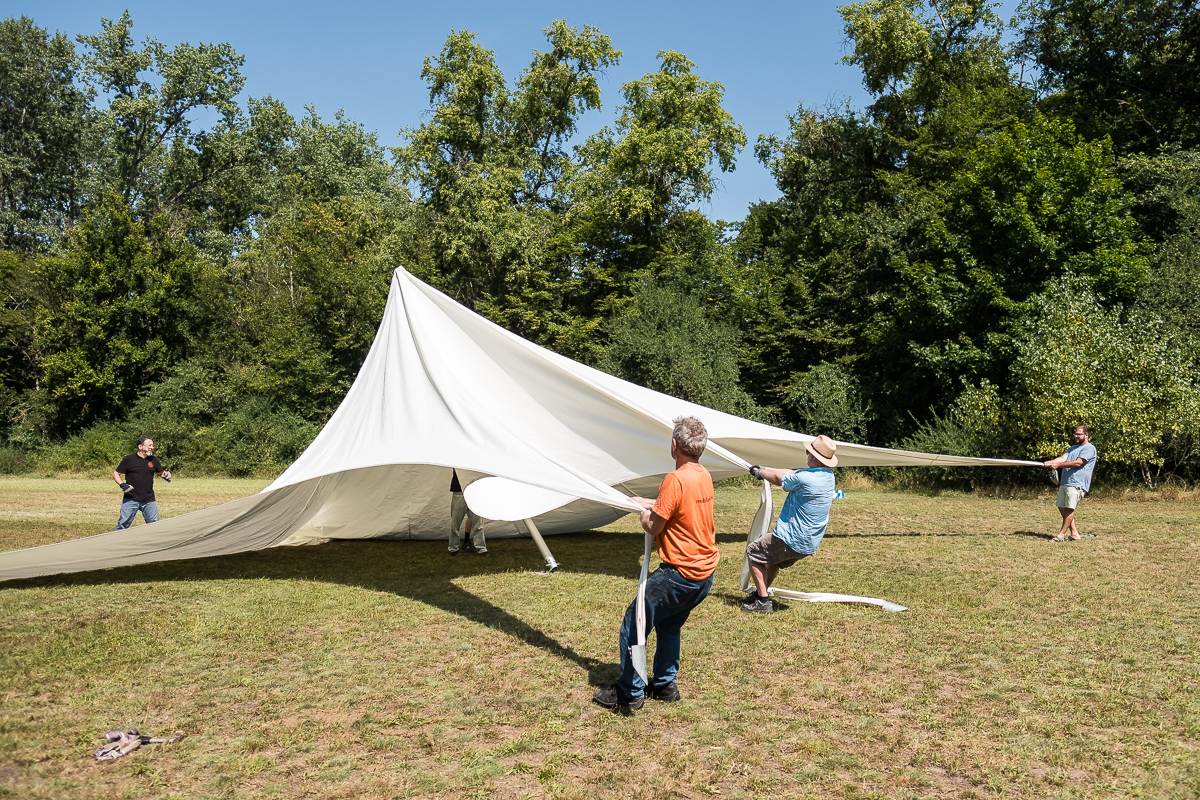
824,450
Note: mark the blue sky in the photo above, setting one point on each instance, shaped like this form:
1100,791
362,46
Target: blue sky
365,57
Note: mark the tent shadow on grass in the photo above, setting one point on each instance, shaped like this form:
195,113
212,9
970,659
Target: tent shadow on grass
418,570
875,534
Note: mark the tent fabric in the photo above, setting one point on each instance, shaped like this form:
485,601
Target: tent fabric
442,388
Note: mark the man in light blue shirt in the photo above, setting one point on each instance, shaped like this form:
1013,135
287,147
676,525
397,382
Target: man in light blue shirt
1075,481
802,520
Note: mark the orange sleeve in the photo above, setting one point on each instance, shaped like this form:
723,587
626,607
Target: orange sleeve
670,494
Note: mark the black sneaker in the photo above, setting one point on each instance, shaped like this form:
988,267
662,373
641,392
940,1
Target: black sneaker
758,605
607,697
482,553
453,552
667,694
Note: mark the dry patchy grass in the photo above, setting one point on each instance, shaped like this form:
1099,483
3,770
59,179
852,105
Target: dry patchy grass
386,669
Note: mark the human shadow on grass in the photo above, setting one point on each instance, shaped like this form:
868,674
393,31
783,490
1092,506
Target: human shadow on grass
419,570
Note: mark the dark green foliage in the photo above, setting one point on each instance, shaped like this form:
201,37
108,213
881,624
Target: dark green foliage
98,448
43,124
827,400
919,288
118,309
1167,191
1125,69
911,241
18,309
209,422
14,461
218,286
665,340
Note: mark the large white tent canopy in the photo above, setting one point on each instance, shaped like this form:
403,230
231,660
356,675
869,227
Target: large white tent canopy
532,434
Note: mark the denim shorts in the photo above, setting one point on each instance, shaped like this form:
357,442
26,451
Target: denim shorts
1069,496
766,550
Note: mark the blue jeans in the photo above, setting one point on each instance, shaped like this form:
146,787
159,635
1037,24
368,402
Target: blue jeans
670,598
129,509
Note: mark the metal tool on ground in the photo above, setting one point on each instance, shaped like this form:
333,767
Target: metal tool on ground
122,743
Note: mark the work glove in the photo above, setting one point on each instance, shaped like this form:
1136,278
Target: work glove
756,471
166,475
126,487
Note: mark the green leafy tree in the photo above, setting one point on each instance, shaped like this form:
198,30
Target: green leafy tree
1166,187
43,124
491,167
634,216
911,239
1079,362
827,399
1127,69
666,340
148,149
1030,205
18,359
118,310
334,160
939,75
316,286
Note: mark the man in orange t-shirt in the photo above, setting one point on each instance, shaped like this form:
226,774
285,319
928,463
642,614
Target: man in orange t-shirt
682,522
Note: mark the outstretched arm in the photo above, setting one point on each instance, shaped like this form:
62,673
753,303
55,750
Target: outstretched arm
1061,461
771,475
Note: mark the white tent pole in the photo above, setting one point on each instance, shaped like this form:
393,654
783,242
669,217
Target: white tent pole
541,543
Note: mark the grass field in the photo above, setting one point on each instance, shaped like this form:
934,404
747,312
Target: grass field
386,669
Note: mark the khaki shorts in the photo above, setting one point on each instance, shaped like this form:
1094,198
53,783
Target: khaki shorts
1069,496
766,550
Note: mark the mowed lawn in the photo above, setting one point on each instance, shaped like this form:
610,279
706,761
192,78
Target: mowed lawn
387,669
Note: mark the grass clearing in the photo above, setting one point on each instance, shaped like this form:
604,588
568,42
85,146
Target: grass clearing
387,669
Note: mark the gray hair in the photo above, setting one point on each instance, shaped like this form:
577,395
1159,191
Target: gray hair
690,435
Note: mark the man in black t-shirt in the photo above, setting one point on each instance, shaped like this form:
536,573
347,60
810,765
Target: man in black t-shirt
138,484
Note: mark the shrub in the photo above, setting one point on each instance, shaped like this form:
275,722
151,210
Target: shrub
827,400
100,447
1079,363
664,340
15,462
256,439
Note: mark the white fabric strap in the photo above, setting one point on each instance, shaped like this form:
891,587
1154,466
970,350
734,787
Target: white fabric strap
638,650
826,597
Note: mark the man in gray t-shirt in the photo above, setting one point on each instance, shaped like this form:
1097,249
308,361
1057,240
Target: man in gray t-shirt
1075,481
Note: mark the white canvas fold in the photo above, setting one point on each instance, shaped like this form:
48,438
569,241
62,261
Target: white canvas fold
443,388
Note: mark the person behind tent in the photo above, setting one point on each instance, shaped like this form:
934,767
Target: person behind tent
1077,465
472,536
682,522
138,484
802,520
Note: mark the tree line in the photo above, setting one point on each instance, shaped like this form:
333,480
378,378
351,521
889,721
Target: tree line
1001,244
